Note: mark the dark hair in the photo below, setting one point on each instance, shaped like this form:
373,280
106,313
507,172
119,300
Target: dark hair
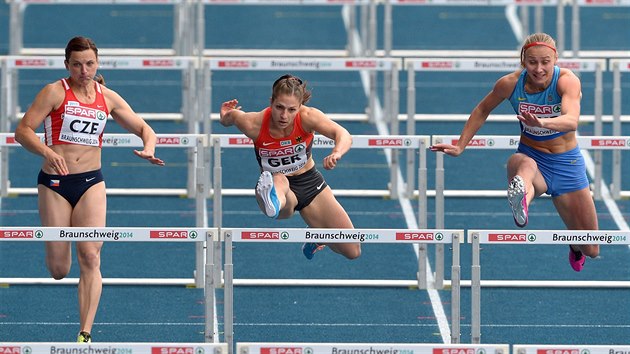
292,86
79,44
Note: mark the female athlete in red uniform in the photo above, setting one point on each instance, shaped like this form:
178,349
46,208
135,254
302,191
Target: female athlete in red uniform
71,190
289,182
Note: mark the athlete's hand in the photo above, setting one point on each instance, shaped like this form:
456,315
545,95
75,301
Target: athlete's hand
530,119
451,150
149,156
57,163
228,106
330,161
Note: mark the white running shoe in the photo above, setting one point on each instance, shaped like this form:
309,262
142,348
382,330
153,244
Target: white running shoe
267,191
518,202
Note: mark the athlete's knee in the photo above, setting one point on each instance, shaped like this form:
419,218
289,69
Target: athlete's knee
590,250
90,260
353,252
58,271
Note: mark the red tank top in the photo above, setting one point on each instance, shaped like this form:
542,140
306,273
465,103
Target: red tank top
75,122
285,155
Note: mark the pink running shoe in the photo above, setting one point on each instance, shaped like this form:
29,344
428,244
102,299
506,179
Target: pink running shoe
518,202
576,259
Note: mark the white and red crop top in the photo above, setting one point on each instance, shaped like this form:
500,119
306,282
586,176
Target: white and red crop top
75,122
284,155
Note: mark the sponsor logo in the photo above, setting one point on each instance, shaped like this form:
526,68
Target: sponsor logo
320,186
267,143
475,142
608,142
158,62
170,234
361,64
558,351
172,350
507,237
168,140
84,112
385,142
16,234
453,350
416,236
10,350
437,64
234,64
282,350
240,141
31,62
260,235
289,150
89,179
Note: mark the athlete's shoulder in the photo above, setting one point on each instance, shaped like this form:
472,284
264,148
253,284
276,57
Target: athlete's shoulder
506,83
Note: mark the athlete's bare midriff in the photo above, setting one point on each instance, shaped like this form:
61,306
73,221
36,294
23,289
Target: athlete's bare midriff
558,145
309,164
78,158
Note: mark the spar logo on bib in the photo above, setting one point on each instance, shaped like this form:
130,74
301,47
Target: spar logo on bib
543,110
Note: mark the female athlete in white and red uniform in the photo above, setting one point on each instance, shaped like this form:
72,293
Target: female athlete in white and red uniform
289,182
71,190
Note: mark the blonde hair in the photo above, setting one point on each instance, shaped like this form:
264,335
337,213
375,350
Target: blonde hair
537,39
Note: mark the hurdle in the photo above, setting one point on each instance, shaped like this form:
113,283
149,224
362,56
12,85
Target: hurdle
414,65
294,235
535,237
16,27
122,348
12,64
372,348
388,28
130,234
417,143
368,26
617,66
197,188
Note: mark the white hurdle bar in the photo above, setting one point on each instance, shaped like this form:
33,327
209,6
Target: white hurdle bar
498,142
536,237
117,347
372,348
293,235
568,349
128,234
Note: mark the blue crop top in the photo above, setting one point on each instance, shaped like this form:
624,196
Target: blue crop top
545,104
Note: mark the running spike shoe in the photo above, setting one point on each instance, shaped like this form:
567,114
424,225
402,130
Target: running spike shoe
309,249
84,337
576,259
517,196
267,191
